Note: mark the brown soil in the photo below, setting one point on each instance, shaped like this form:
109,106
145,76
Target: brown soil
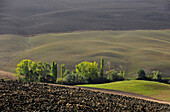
24,96
117,92
7,75
10,76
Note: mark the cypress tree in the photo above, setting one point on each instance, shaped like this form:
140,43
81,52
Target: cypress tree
124,73
141,74
62,70
102,67
54,70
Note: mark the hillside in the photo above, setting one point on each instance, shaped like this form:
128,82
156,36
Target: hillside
45,16
7,76
25,96
152,89
132,49
10,47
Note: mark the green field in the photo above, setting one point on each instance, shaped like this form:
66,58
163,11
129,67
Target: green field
147,88
132,49
10,47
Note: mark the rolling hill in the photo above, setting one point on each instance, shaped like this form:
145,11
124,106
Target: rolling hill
132,49
147,88
28,17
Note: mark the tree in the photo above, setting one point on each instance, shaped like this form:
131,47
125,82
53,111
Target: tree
34,72
53,71
73,78
141,74
67,72
88,70
43,70
157,75
62,70
27,69
124,73
113,75
102,68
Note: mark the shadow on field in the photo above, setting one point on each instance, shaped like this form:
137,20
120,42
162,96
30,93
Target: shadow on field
44,16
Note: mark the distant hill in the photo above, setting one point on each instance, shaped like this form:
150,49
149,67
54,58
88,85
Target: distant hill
44,16
132,49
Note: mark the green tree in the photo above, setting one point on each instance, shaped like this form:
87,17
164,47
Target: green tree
88,70
113,75
34,72
53,72
43,70
27,69
157,75
124,73
67,72
102,68
63,68
141,74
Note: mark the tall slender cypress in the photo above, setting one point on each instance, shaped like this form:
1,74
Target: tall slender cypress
54,70
124,73
62,70
102,67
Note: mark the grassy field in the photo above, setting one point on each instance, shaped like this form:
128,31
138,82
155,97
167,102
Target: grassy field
10,47
132,49
147,88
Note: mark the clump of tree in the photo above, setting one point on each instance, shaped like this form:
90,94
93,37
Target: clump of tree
28,70
155,76
141,74
43,72
88,72
72,78
85,72
113,75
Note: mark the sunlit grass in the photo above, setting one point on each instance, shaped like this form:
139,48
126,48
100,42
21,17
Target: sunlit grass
147,88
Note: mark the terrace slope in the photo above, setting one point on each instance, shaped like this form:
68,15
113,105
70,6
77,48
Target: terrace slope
132,49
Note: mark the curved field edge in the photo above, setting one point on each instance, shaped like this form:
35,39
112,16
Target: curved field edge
151,89
36,97
132,49
9,76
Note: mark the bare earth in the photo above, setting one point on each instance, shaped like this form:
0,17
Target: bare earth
7,75
117,92
27,96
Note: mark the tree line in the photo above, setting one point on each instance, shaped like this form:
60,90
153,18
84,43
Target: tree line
155,76
85,72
